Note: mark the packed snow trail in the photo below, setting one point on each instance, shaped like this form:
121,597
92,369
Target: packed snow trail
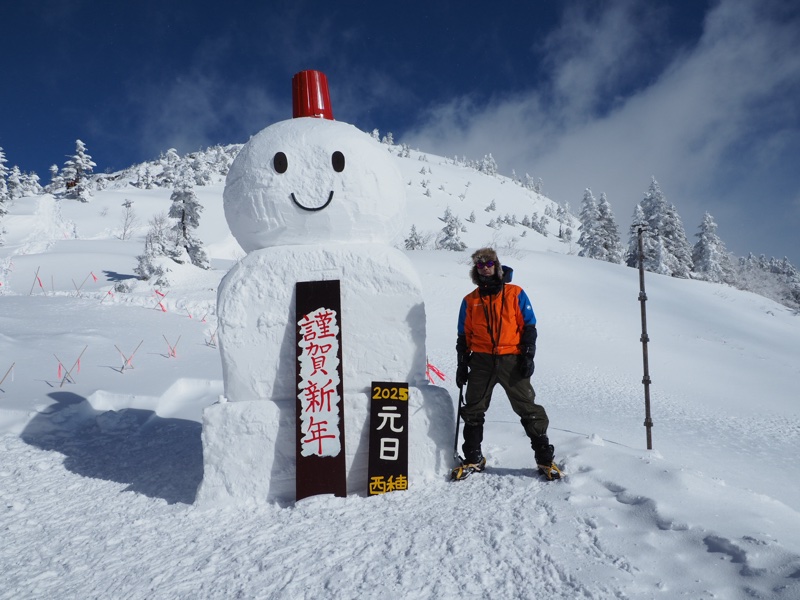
501,534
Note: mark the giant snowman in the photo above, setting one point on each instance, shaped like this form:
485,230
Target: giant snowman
313,199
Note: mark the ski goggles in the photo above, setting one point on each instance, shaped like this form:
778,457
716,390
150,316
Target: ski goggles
484,263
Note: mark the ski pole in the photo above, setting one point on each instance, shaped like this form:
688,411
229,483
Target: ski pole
648,420
458,420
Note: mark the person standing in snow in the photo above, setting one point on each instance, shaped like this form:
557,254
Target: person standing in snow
496,344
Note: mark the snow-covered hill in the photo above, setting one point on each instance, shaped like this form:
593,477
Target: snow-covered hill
99,472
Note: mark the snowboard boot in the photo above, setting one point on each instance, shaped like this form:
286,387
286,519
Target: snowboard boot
544,452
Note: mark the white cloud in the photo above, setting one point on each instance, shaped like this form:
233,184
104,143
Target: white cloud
198,109
709,122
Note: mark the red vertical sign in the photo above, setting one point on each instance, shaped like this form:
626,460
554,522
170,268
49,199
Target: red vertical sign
320,448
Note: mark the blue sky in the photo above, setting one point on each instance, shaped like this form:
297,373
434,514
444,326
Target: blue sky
703,95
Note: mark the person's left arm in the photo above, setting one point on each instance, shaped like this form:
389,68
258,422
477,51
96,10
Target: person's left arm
529,334
526,308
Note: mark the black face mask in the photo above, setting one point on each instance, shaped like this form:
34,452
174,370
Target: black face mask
489,284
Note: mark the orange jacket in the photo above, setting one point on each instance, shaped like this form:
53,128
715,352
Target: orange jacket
493,324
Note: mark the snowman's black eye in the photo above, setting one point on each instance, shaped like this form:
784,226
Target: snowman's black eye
280,162
337,160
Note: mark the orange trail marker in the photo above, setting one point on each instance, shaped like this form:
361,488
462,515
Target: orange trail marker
172,349
127,360
78,288
77,363
431,371
35,280
60,366
158,303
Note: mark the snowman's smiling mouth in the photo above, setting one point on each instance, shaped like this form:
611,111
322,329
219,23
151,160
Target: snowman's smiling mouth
311,208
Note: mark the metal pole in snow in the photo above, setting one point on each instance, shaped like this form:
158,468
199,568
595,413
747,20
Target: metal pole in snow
7,372
648,421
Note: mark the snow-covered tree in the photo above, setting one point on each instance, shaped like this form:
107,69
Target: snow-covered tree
29,184
529,183
539,224
144,177
414,241
158,244
56,180
128,220
778,280
651,244
590,240
711,260
488,165
171,168
186,210
666,249
76,173
223,158
492,206
676,243
14,183
563,215
449,237
4,195
202,169
609,232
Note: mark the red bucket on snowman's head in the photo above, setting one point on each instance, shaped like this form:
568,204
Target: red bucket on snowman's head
310,97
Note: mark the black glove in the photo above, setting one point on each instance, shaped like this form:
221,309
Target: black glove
528,340
526,365
462,371
462,374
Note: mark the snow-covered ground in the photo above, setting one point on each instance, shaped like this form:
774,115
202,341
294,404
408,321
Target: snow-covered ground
98,475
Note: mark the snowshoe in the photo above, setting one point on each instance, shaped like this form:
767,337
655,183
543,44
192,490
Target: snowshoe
465,469
550,472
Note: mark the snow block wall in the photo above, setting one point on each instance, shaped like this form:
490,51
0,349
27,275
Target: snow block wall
311,200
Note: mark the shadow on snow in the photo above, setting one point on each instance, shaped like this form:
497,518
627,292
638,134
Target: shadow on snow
157,457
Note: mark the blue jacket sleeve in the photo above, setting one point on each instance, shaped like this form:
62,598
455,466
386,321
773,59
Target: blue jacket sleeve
526,309
462,316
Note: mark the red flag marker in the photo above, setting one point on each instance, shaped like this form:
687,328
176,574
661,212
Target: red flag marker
431,370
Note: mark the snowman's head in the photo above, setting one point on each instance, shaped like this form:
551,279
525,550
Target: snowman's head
310,180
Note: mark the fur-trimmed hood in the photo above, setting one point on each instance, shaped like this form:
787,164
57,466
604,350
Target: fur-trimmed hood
502,273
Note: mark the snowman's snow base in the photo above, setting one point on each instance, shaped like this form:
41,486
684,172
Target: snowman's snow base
249,441
249,456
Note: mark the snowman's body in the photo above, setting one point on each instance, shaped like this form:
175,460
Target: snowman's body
312,200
